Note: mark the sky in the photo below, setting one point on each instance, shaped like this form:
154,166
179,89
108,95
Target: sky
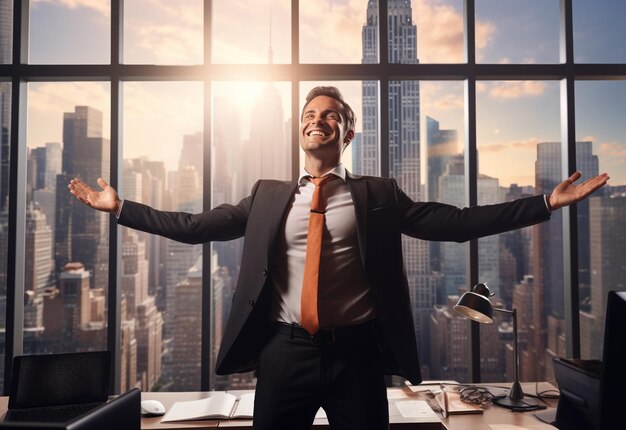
512,116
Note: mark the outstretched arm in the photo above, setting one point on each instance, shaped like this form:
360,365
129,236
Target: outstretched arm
106,200
566,193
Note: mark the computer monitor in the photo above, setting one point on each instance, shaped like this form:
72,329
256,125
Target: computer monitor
613,385
593,392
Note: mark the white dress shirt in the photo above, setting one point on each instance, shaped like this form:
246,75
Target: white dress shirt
343,293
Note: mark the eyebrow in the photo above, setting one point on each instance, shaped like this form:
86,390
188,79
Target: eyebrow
325,112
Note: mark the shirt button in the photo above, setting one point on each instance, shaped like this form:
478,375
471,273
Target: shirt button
264,272
251,302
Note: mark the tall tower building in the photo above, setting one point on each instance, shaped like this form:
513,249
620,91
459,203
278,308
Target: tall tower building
441,146
134,272
404,142
187,335
548,249
149,342
453,255
81,232
39,261
191,154
148,184
608,272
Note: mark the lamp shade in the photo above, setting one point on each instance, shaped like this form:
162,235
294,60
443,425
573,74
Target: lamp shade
475,304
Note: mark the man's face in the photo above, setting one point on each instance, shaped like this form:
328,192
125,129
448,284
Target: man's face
322,129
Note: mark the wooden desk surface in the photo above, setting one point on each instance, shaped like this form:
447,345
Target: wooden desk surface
492,415
397,421
496,415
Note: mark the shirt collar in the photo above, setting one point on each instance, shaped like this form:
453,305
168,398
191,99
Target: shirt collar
338,170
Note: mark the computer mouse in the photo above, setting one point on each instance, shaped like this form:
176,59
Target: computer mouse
152,408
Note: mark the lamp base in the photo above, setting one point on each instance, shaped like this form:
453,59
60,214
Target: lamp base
523,404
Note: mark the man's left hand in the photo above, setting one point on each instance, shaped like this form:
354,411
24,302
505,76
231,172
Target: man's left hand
567,193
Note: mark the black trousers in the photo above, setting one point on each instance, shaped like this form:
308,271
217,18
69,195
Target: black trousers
339,370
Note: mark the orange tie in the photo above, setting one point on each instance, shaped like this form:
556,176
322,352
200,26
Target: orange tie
308,305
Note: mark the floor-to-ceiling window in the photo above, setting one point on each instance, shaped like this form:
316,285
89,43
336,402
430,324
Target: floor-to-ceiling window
183,105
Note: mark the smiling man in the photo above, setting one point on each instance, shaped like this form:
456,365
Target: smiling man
322,309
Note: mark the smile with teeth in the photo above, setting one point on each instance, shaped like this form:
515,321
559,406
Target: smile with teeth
317,133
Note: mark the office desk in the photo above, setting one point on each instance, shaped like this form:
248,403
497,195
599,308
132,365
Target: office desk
397,421
492,415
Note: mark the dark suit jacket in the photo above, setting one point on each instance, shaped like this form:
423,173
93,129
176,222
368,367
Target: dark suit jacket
383,214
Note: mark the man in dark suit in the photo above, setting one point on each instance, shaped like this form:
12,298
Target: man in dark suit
332,347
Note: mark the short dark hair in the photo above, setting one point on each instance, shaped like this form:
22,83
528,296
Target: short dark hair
347,113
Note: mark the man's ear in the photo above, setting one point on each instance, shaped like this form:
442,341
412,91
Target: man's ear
348,138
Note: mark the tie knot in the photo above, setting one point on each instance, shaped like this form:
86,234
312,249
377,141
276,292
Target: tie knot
322,180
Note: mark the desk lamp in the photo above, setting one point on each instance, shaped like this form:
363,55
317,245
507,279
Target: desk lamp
475,304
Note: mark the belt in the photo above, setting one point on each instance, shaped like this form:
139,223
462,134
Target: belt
328,336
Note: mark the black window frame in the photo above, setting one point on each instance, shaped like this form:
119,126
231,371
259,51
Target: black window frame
19,72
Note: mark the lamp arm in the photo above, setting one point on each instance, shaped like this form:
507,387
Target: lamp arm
516,392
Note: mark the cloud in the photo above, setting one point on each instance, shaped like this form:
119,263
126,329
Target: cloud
441,32
331,31
527,145
101,6
516,89
163,32
241,33
612,149
442,98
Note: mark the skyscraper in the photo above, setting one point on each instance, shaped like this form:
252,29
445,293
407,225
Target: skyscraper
404,142
548,249
81,232
38,254
441,146
185,368
608,272
453,255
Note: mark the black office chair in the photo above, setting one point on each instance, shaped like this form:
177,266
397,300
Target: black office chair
121,413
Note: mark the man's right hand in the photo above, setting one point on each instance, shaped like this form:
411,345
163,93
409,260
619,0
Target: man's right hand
106,200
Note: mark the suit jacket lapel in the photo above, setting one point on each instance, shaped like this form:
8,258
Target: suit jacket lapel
279,198
358,189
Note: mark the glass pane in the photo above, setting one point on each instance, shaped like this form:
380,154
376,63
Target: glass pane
67,249
440,31
361,156
251,140
510,31
162,279
600,129
6,31
338,32
252,31
5,127
519,155
599,31
443,345
68,32
163,32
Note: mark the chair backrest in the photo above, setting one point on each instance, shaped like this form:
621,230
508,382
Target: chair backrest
59,379
121,413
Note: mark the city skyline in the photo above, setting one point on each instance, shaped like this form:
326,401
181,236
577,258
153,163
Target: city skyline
518,134
498,127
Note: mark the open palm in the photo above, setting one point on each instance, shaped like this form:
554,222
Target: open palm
567,193
106,200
